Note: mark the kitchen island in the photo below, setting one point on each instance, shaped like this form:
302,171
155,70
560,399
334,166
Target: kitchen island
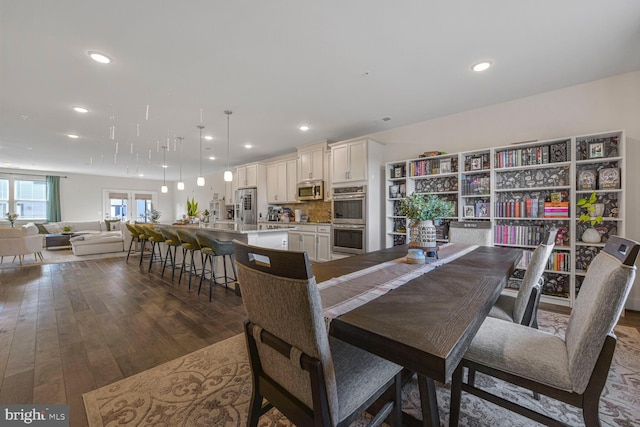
272,236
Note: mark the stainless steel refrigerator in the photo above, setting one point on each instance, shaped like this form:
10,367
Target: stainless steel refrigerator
247,206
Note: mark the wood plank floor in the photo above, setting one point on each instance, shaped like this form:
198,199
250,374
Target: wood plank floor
66,329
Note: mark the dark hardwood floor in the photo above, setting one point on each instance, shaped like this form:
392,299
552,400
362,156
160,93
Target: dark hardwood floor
66,329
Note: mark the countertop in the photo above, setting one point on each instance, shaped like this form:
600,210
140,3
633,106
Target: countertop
241,229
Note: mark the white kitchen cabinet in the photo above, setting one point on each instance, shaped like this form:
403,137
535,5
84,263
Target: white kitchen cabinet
229,192
303,241
292,180
247,176
327,176
323,243
277,183
311,162
349,162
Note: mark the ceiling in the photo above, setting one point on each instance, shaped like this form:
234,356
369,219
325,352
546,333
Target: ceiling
338,66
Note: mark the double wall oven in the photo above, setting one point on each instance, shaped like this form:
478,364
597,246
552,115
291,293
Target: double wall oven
349,220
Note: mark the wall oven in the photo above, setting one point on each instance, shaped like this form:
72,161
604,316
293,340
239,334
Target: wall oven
348,238
349,205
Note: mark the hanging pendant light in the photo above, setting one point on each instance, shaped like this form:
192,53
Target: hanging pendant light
180,183
164,187
228,175
200,180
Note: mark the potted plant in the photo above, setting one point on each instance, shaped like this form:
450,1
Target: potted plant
192,208
591,214
155,215
422,210
12,218
67,229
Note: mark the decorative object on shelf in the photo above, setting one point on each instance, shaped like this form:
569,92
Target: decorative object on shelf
192,208
587,180
482,210
12,218
558,152
593,215
596,150
445,166
204,217
394,191
398,172
431,153
609,178
422,210
476,163
469,211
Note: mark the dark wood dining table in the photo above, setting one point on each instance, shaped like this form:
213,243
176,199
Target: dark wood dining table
427,324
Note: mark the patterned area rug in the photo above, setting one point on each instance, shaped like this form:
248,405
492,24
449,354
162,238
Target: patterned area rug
212,387
56,256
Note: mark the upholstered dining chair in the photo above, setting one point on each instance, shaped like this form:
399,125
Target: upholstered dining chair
172,241
213,248
574,369
523,307
312,378
189,246
135,238
470,232
143,237
155,237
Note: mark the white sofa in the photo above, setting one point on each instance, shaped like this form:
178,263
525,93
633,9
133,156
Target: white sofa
18,242
97,243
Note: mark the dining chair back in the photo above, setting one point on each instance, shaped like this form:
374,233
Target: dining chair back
470,232
574,369
312,378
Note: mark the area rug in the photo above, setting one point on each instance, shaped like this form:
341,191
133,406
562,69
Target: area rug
56,256
212,387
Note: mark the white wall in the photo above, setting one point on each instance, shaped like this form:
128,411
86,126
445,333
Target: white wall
602,105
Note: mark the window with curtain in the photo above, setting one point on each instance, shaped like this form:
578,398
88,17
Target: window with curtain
25,195
118,205
126,205
143,206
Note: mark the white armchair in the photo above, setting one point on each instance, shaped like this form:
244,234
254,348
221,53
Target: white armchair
18,242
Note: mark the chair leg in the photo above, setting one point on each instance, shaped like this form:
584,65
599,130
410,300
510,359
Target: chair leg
204,267
173,262
153,251
456,395
166,256
184,257
129,252
142,250
471,376
192,268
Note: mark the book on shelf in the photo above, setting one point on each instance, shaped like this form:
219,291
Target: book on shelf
556,209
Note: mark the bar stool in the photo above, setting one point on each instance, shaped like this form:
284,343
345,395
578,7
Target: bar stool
143,237
189,244
212,248
172,240
135,237
155,237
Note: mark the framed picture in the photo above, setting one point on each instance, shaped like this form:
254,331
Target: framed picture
403,190
482,210
596,150
476,163
397,172
609,178
445,166
394,191
469,211
587,180
558,152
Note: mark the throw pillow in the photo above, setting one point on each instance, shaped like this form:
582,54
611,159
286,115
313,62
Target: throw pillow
112,224
41,229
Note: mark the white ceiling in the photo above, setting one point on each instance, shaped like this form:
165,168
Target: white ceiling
339,66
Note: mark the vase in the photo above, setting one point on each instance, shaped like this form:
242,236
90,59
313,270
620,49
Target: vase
591,235
13,225
423,234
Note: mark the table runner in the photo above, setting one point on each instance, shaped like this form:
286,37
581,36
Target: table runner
345,293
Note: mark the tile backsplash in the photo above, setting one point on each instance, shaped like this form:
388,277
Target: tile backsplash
317,210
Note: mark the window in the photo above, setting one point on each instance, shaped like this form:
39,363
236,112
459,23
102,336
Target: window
143,207
118,205
129,204
23,195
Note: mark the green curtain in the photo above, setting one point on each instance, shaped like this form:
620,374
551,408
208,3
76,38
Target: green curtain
53,199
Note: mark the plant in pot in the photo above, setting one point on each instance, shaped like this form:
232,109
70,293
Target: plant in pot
422,210
192,208
591,214
67,229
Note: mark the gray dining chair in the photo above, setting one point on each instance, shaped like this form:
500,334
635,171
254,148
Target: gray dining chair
572,370
312,378
523,307
470,232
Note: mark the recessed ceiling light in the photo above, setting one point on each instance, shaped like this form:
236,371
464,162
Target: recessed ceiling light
303,128
99,57
140,174
165,166
73,136
212,158
248,146
80,110
481,66
208,137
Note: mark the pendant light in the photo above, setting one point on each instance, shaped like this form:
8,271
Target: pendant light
164,188
228,175
200,180
180,183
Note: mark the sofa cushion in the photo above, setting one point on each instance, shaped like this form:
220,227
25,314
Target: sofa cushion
112,224
53,227
78,227
88,239
41,228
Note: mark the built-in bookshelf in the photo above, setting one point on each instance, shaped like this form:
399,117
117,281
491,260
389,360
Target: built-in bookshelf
524,190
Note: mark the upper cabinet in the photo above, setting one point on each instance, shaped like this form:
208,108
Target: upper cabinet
311,162
282,179
249,175
349,162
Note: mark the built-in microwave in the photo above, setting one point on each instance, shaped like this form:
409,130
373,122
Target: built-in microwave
310,190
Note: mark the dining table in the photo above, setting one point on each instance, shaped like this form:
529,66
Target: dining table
422,317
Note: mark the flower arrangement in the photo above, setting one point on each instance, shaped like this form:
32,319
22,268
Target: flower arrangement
591,215
12,217
155,215
420,207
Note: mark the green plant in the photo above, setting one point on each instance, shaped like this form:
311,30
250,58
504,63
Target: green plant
155,215
67,229
420,207
590,206
192,207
